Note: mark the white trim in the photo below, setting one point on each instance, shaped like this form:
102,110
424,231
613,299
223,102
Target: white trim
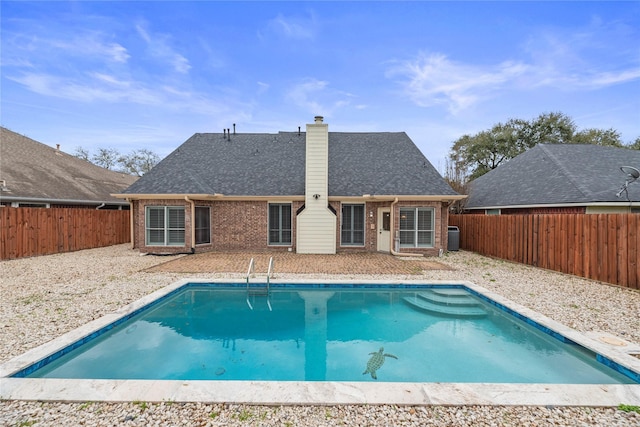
297,198
15,199
554,205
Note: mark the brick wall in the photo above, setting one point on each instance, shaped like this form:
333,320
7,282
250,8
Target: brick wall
243,225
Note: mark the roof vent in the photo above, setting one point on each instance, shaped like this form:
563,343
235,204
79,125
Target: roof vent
318,119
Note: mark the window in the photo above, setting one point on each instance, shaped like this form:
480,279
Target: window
165,226
416,227
492,211
203,225
279,224
352,225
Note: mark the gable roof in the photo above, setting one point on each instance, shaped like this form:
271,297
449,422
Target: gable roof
35,172
557,174
274,165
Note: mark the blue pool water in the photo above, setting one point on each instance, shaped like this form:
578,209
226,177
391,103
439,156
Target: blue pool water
330,334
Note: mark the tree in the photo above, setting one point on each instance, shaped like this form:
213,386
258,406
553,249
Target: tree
139,162
548,128
608,137
635,145
106,158
473,156
81,153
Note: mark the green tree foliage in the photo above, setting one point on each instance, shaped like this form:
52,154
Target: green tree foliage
138,162
471,156
609,137
635,145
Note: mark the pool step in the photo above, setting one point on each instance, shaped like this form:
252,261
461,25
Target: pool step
450,292
456,304
450,299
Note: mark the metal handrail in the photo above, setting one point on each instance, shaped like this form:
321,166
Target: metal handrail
250,271
270,271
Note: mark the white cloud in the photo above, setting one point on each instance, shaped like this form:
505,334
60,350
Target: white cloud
85,44
610,78
435,80
263,87
317,97
583,59
97,87
295,28
431,80
159,48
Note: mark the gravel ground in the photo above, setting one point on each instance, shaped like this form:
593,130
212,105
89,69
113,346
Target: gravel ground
44,297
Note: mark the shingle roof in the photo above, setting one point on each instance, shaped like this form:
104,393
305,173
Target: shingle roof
274,165
557,174
33,170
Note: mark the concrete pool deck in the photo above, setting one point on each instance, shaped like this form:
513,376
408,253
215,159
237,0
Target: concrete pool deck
321,393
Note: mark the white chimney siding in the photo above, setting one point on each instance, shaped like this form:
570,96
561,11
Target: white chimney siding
316,224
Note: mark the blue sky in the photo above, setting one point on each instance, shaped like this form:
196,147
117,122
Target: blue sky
130,75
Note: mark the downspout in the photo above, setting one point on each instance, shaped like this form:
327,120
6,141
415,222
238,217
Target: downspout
133,243
100,206
393,232
193,221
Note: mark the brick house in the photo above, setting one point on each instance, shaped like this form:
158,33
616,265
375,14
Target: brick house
557,179
309,192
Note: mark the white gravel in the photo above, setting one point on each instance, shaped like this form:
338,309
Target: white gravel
44,297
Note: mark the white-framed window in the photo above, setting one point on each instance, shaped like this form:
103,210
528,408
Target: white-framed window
417,227
203,225
492,211
164,225
352,225
279,224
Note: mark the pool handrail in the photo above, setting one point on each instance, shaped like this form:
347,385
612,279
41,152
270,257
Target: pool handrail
250,272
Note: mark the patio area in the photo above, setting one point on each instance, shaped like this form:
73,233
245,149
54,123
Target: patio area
293,263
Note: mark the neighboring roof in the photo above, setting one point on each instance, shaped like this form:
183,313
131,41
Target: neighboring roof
557,174
274,165
33,171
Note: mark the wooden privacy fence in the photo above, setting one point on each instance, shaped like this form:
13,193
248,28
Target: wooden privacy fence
603,247
26,232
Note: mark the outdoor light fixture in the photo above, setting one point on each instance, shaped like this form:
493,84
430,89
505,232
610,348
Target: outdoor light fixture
316,196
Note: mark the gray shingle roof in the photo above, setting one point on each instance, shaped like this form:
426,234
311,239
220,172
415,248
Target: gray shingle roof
33,170
557,174
274,165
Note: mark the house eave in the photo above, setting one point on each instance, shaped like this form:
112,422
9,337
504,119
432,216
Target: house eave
448,198
62,201
555,205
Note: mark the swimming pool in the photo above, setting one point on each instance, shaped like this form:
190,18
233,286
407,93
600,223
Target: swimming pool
334,334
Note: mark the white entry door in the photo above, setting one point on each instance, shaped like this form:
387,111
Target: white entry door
384,229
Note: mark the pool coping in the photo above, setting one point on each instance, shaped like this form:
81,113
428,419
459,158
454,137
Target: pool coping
319,392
